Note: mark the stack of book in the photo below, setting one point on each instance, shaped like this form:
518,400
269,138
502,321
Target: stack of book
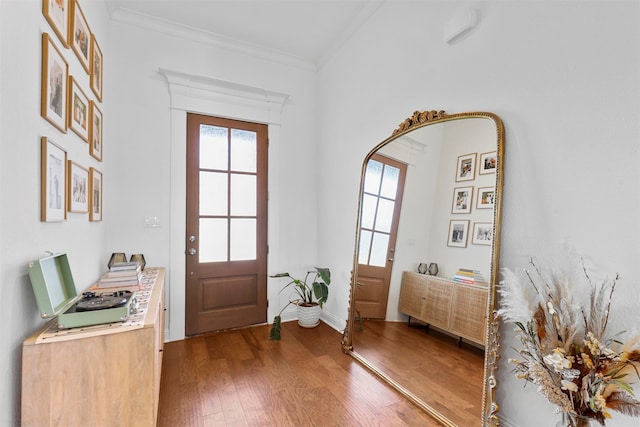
122,275
470,277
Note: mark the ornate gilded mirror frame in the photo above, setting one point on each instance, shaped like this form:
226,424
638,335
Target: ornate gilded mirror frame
489,405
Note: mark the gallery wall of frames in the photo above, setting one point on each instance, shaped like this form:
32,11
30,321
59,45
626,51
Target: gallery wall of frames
70,103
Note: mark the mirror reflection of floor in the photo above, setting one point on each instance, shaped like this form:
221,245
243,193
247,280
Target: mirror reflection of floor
446,374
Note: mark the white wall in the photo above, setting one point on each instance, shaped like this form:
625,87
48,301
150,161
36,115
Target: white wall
565,79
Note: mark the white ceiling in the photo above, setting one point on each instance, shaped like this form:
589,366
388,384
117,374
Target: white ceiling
309,30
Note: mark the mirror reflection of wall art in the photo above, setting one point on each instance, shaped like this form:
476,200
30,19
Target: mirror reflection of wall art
488,162
95,132
458,230
53,175
485,198
80,35
482,233
462,199
96,68
78,110
78,188
55,75
95,195
466,169
57,13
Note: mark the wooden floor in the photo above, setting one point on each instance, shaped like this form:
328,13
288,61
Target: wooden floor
240,378
446,375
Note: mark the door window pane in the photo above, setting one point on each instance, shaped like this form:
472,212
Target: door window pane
243,151
390,182
385,215
372,177
213,193
243,195
368,211
379,250
213,240
243,239
365,244
214,147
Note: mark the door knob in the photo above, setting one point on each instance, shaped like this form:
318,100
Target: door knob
192,239
191,251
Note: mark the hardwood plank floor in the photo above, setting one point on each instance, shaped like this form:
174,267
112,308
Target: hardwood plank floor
240,378
445,375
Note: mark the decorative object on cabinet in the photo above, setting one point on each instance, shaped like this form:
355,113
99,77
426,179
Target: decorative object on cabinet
561,316
422,268
55,75
462,199
78,110
78,188
95,132
466,168
95,195
458,230
488,163
80,35
485,198
482,233
433,269
313,294
139,258
53,176
57,14
116,258
96,68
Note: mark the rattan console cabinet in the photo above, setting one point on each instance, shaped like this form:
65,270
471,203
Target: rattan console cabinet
457,308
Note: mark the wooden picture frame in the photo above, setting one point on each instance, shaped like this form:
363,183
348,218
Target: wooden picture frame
95,132
482,233
78,110
485,199
80,35
96,68
95,195
488,162
462,200
53,175
458,233
54,80
77,188
57,14
466,167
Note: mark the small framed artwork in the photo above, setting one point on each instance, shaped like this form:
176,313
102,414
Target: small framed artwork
77,188
80,35
466,168
53,176
488,162
485,198
482,233
462,200
96,68
55,75
78,110
458,231
95,132
57,13
95,195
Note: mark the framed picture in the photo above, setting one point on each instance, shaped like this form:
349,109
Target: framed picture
55,75
482,233
462,199
466,168
96,68
488,162
53,174
95,195
78,110
57,13
485,198
458,233
95,132
79,35
78,188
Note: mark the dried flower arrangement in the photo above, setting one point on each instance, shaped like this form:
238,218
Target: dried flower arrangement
565,350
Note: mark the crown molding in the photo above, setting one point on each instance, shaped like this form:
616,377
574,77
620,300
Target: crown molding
151,23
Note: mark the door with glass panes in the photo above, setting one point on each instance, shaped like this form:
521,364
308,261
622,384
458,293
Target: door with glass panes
226,238
380,212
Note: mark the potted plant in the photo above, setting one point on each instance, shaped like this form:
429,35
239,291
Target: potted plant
313,291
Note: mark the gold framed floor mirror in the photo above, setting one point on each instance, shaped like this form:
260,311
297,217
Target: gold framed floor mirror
426,260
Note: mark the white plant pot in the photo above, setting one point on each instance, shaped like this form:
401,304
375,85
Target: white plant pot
309,317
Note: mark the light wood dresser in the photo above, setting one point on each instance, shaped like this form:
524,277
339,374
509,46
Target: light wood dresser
454,307
103,375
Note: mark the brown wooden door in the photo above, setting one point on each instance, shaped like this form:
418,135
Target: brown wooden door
226,240
380,212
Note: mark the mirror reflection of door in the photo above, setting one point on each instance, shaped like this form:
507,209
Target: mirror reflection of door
380,212
226,246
